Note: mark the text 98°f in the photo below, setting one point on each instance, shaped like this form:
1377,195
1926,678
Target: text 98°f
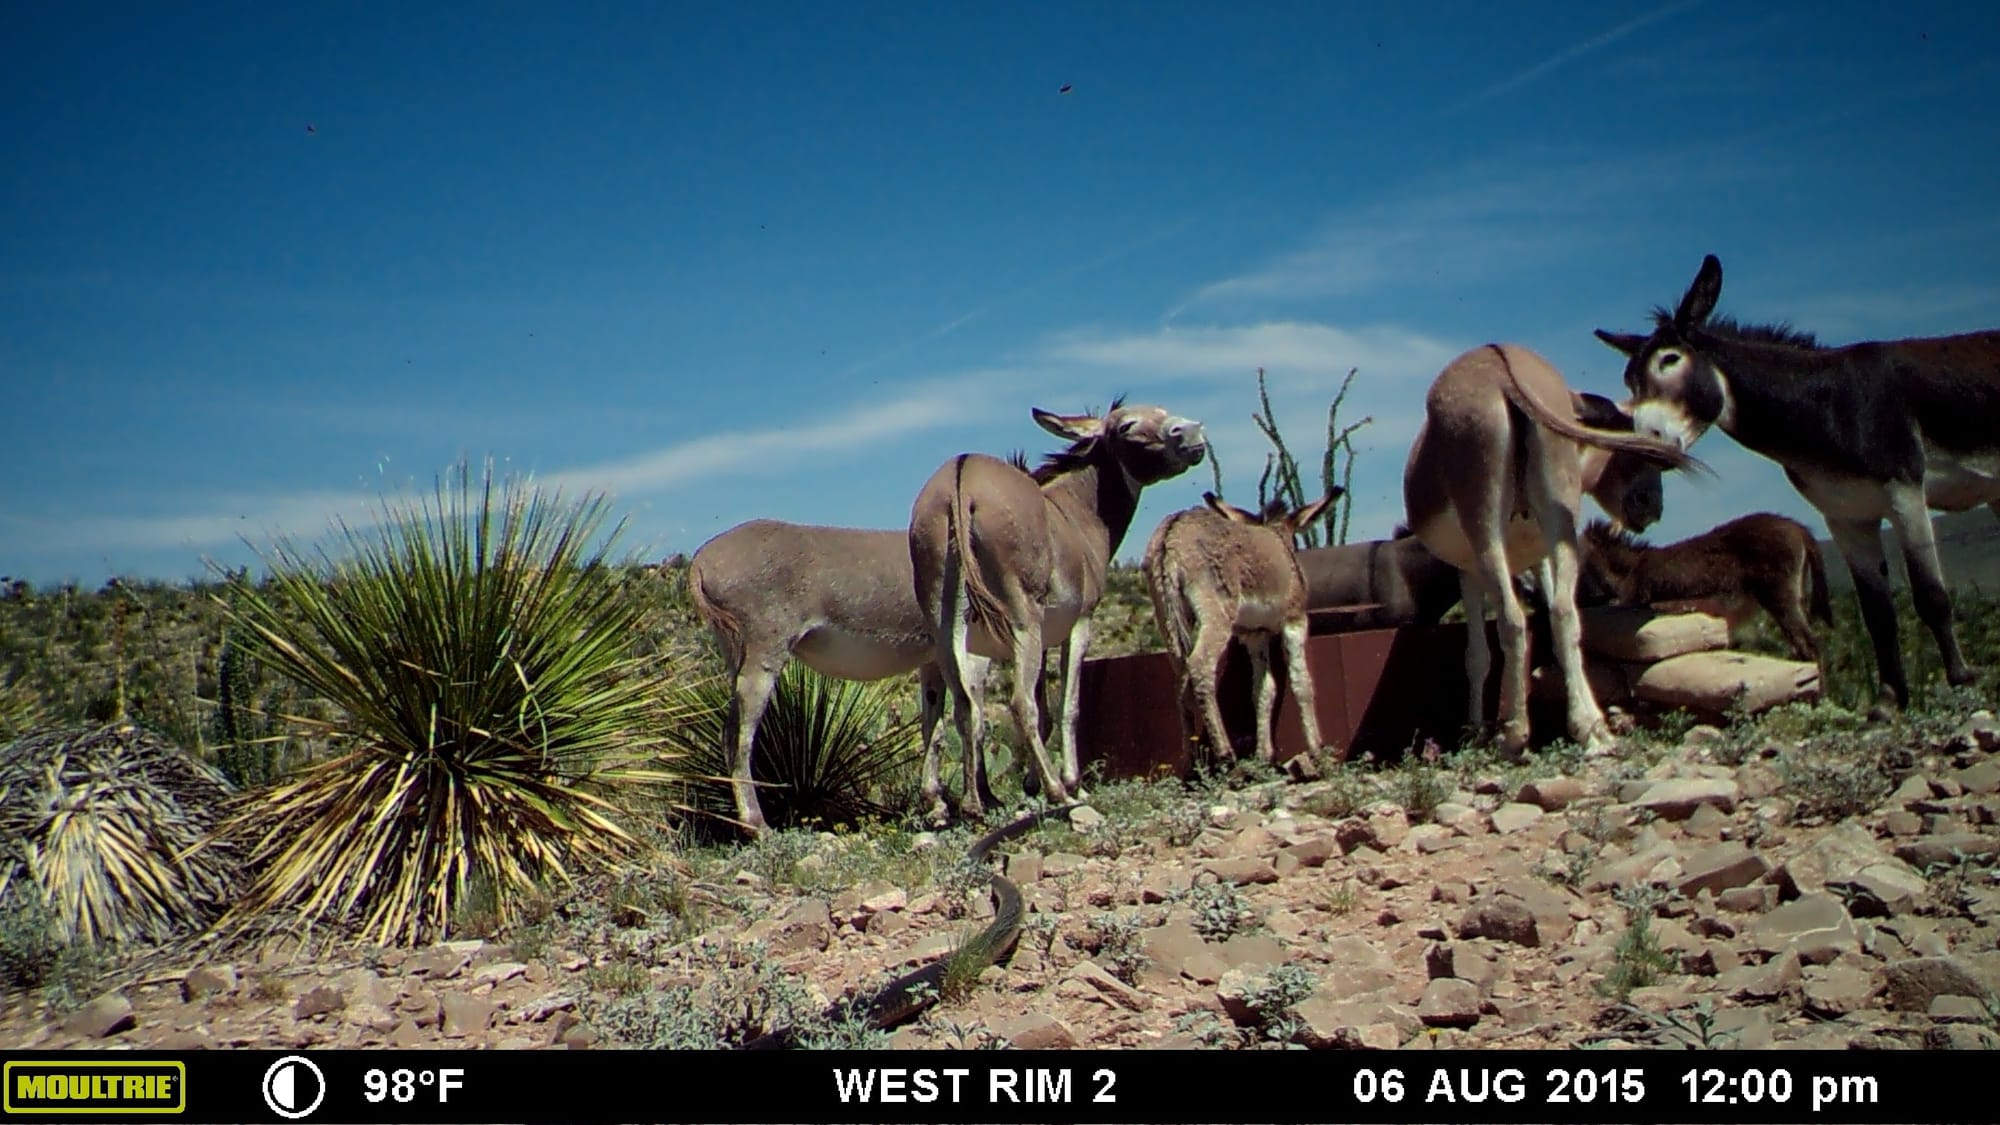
402,1085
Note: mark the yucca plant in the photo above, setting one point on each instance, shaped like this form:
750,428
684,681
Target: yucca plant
491,725
99,824
828,751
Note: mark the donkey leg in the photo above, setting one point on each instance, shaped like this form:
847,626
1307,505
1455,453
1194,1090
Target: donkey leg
1028,658
1073,651
959,670
1211,643
1478,657
1586,719
755,681
1860,545
1258,645
1912,519
1512,712
931,692
1788,608
1300,669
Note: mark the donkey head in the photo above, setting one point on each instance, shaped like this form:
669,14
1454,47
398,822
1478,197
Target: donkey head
1275,516
1627,486
1150,444
1677,391
1604,556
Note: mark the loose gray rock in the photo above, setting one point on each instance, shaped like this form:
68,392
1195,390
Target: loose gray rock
1677,798
1552,793
102,1018
209,980
1512,818
1723,867
1449,1003
1911,985
1832,991
1500,918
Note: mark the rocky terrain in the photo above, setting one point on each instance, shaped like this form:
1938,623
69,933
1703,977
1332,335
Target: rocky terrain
1777,885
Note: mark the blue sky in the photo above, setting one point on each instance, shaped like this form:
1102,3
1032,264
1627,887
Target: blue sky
729,261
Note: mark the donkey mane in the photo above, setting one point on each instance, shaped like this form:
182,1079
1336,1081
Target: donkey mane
1728,328
1602,531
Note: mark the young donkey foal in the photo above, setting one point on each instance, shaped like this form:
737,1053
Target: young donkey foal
1763,559
1220,572
838,598
1882,429
1494,485
1008,564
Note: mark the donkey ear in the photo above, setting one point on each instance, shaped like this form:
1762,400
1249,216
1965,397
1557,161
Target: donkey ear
1600,413
1303,517
1627,342
1228,511
1075,427
1700,299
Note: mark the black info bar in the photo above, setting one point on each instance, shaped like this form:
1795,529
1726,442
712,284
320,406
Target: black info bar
415,1087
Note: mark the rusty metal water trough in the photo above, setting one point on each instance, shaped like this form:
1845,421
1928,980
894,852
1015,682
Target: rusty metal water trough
1380,691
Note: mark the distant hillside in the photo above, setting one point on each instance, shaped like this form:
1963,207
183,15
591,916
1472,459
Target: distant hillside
1968,549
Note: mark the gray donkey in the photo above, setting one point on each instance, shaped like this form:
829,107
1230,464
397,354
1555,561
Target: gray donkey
840,599
1008,564
1220,572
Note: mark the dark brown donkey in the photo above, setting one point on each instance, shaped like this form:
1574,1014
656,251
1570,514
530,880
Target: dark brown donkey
1884,429
1763,559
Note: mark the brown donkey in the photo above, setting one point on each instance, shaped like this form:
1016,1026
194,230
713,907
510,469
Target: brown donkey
1220,572
1008,564
1763,559
838,598
1494,486
1398,577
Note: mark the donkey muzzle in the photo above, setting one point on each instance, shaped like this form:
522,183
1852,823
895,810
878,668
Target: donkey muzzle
1187,436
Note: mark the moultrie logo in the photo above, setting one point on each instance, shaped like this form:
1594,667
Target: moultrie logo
55,1086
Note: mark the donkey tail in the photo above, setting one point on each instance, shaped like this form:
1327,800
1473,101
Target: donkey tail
1663,454
1168,584
987,608
727,628
1822,604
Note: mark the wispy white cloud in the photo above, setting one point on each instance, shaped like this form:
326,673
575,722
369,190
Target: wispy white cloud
953,401
1481,220
1841,317
1287,349
1571,54
224,519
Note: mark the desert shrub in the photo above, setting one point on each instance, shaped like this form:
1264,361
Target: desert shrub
101,828
489,719
828,751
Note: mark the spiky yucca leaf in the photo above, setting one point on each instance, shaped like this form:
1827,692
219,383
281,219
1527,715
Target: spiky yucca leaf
494,726
826,748
102,822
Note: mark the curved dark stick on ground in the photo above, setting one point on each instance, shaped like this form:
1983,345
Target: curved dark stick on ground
907,996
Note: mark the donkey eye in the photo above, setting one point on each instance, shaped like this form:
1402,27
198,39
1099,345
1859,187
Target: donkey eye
1669,360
